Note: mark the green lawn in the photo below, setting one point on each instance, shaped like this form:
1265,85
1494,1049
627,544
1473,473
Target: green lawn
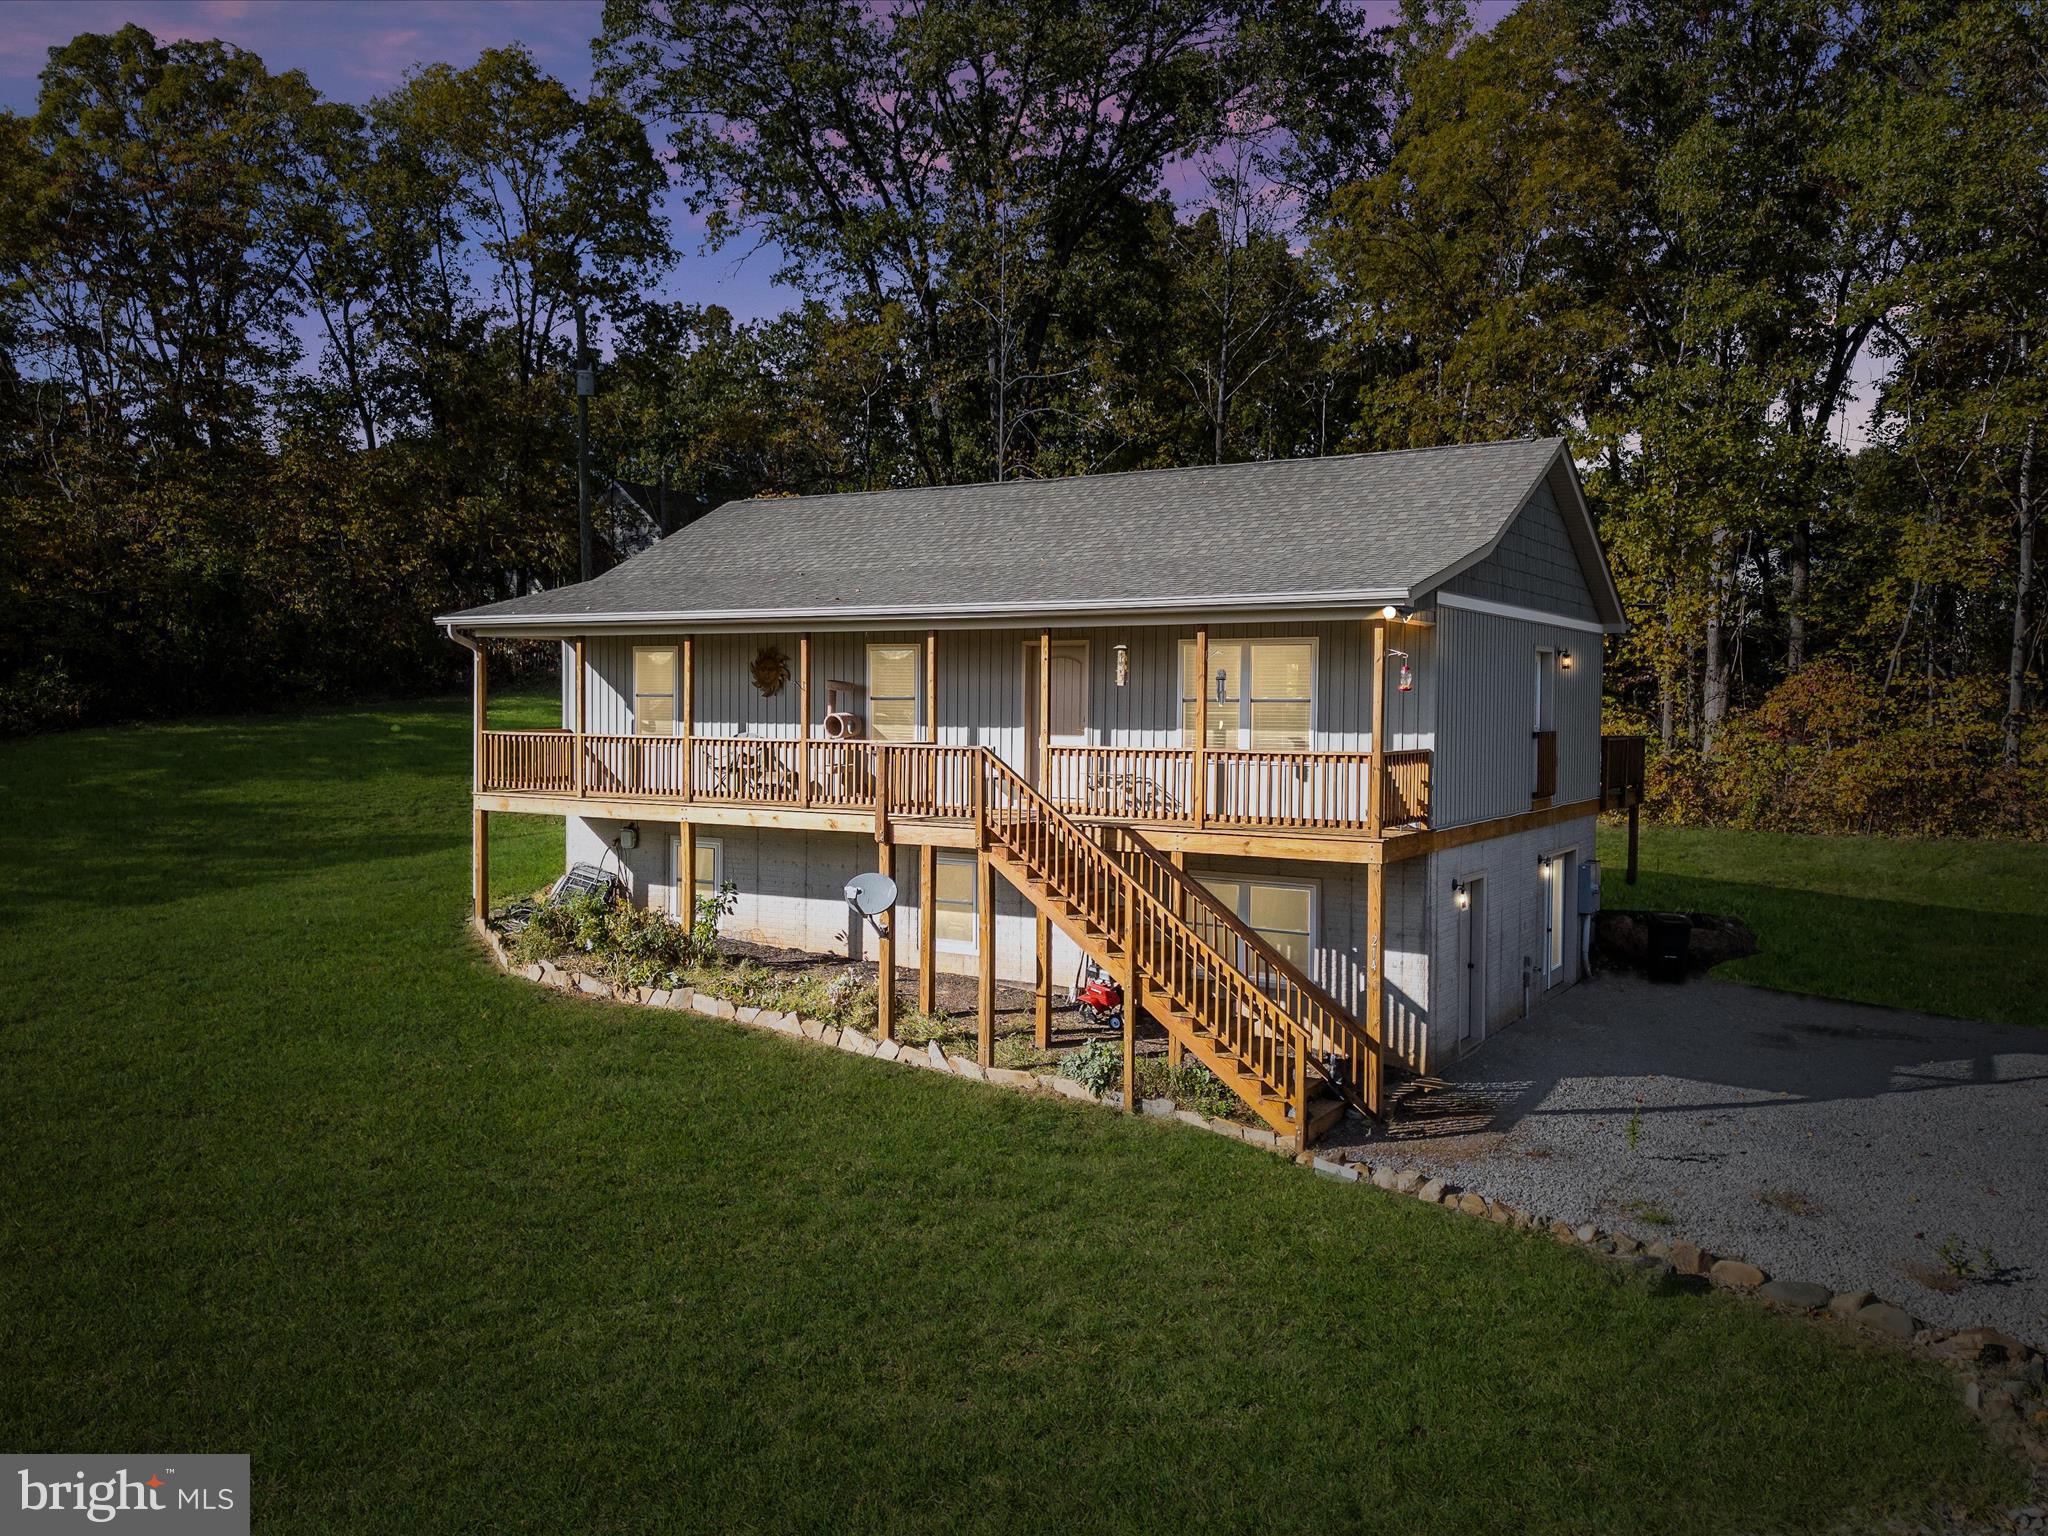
290,1170
1957,928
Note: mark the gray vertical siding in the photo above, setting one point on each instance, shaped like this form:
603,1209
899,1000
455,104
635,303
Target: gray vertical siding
1533,566
983,675
1486,690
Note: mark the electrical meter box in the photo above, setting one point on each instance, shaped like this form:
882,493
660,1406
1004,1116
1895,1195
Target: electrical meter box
1589,885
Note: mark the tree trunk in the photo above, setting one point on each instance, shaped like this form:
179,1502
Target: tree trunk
1714,685
2023,588
1795,600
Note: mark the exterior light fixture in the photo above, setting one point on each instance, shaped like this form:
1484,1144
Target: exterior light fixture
1461,897
1543,867
1123,666
1564,660
1390,612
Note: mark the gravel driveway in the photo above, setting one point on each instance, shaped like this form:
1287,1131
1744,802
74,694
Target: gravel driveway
1824,1141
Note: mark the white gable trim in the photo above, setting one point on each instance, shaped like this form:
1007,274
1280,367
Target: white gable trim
1510,611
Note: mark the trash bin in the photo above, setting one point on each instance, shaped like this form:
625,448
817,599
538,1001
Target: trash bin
1670,945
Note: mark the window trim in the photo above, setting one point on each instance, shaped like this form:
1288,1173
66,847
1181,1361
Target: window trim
916,694
1244,701
634,695
1314,888
957,946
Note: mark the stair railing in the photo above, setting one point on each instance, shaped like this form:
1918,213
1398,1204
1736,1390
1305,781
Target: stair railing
1332,1032
1249,1025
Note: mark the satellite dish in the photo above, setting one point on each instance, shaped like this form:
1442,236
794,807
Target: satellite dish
872,894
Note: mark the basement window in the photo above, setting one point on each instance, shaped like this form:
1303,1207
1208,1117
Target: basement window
1282,912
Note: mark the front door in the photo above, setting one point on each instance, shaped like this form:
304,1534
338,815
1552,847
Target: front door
1069,700
1472,959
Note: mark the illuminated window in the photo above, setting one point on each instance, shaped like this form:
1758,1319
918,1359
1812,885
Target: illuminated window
1281,912
953,900
892,691
654,690
1261,693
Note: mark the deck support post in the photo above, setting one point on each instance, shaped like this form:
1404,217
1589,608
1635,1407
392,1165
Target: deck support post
1041,1003
1131,1006
885,954
803,722
1370,1074
1376,767
985,956
480,864
688,723
927,910
1201,786
582,723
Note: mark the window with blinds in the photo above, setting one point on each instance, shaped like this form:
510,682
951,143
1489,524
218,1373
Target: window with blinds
1281,912
953,900
892,692
1261,694
654,690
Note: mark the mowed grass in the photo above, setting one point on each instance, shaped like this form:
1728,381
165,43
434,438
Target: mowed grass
292,1171
1954,927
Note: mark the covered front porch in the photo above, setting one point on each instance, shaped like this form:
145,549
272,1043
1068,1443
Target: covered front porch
1195,732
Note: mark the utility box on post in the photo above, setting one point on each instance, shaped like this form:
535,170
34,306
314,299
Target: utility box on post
1589,886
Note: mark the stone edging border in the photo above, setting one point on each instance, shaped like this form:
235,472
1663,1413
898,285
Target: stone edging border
2004,1378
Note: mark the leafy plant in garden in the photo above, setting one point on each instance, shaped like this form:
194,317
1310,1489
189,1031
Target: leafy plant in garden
1097,1066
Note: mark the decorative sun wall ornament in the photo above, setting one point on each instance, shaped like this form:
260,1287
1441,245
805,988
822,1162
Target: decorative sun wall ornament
771,671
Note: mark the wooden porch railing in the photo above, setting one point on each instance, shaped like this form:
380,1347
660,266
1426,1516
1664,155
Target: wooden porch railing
1149,786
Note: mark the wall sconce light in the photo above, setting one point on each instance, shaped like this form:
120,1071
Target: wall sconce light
1564,660
1123,666
1460,897
629,836
1543,867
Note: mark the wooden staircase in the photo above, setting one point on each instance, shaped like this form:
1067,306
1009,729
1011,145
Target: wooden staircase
1227,998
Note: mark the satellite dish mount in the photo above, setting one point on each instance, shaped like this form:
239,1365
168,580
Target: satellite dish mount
873,896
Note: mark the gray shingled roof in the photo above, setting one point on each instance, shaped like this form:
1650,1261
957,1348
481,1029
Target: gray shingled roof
1352,529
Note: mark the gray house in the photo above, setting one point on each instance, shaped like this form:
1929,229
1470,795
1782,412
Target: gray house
1307,751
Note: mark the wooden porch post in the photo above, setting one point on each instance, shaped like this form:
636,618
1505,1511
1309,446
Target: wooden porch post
927,911
1131,1005
1371,1074
480,863
686,873
803,724
1376,766
1044,711
885,954
582,723
688,723
1202,725
985,954
931,685
1041,1004
483,705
